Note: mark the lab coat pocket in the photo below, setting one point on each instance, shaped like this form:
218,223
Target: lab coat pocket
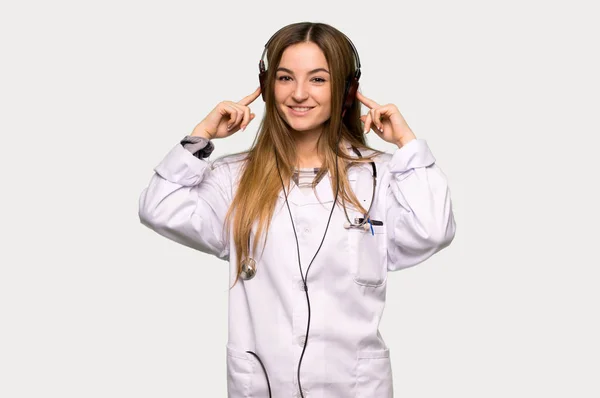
367,255
239,373
245,377
374,374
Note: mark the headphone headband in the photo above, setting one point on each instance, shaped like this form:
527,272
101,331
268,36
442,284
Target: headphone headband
261,64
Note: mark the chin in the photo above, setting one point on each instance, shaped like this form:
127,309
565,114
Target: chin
304,125
300,127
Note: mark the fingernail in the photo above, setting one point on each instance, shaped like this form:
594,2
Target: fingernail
229,127
243,128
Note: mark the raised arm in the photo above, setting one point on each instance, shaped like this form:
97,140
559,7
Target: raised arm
419,208
186,201
188,197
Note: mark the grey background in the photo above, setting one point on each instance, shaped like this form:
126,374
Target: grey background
94,94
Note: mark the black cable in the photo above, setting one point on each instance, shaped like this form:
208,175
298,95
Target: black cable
264,370
337,186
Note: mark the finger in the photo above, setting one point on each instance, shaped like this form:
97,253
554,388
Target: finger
250,98
367,101
240,115
373,120
246,119
233,115
235,118
367,123
377,118
364,118
386,112
245,124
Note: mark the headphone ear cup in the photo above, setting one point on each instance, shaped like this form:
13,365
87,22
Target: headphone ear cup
350,93
262,78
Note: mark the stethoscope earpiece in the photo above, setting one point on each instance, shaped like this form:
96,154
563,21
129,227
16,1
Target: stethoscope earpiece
347,225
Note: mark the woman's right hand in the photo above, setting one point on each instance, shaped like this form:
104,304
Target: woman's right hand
227,118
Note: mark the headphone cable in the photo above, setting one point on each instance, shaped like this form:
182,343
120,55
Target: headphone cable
298,248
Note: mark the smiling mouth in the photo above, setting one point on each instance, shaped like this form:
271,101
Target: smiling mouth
300,110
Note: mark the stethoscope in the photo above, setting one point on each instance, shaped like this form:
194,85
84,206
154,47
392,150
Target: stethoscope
365,223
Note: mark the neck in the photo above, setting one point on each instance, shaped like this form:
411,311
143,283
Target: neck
306,149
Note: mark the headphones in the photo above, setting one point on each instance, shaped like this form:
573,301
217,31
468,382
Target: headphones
350,87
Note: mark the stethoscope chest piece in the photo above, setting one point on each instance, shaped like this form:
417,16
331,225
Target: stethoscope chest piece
248,268
357,225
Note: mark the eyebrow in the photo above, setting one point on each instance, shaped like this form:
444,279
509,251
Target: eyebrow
310,73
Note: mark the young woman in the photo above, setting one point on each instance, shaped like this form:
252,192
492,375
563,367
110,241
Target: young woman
310,219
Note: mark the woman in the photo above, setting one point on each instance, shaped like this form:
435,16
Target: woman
309,195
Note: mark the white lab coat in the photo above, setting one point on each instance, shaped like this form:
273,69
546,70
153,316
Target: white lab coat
186,201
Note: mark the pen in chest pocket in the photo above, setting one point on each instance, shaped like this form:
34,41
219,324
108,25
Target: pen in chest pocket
369,224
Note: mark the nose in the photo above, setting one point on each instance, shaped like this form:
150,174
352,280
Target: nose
300,93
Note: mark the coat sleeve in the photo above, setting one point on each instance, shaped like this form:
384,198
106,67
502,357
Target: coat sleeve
419,216
186,201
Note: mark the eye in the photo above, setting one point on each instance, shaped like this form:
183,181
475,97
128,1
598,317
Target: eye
319,80
283,78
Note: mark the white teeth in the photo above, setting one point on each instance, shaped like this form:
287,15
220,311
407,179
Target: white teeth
300,109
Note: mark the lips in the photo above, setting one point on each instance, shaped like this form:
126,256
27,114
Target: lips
300,110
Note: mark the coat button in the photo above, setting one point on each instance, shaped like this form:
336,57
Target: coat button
301,340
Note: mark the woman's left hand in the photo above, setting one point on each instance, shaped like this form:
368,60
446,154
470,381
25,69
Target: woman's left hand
386,121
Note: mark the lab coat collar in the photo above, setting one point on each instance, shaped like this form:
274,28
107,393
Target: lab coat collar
325,189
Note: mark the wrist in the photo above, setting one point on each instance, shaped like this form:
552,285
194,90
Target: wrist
199,131
405,139
201,134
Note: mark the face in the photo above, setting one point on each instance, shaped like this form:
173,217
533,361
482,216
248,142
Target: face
303,88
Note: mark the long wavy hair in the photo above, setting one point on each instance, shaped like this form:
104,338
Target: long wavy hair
273,152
